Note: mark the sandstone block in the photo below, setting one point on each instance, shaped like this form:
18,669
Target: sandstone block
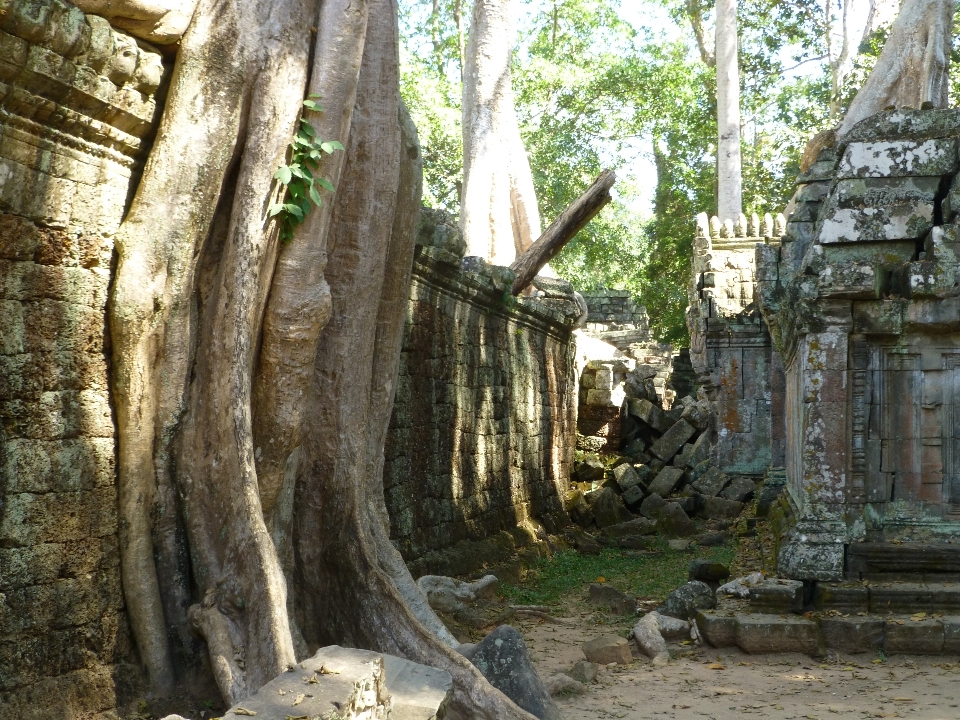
719,509
847,597
852,634
649,413
711,482
708,571
913,638
951,634
619,603
718,630
740,490
775,634
899,158
652,505
584,671
666,481
775,595
684,602
605,506
608,649
633,496
673,522
626,476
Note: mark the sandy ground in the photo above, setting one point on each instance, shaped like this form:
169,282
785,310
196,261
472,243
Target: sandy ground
769,686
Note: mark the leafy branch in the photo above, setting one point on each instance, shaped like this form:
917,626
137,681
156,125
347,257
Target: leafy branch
301,193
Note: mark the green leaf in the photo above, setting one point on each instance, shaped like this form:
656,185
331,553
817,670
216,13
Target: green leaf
283,174
305,206
312,105
296,171
315,196
293,210
326,184
330,145
307,128
275,209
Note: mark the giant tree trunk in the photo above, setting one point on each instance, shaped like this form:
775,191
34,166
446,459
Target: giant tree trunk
498,209
231,403
913,68
729,170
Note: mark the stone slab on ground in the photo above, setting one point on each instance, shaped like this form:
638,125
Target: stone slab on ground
608,649
761,633
619,603
343,680
719,630
417,692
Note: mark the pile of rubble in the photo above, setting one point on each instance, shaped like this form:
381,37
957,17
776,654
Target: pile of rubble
660,480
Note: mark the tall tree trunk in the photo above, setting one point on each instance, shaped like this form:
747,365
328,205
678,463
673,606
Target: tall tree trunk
913,68
729,167
498,211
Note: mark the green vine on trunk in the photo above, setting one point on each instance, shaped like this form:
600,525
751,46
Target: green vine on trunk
301,193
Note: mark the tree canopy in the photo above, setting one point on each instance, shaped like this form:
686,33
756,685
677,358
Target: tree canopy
597,85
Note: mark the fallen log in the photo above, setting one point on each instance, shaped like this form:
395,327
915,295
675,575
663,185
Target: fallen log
562,230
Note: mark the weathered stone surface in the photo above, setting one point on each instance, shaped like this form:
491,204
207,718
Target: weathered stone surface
619,603
649,641
672,440
776,595
350,681
913,638
563,684
652,505
847,597
653,416
718,630
449,595
605,506
708,571
811,561
666,481
852,634
632,528
672,521
740,489
504,660
711,482
951,634
440,229
899,158
463,461
684,602
777,634
417,692
584,671
626,476
608,649
633,496
715,508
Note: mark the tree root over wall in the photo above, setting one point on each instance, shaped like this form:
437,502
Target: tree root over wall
253,381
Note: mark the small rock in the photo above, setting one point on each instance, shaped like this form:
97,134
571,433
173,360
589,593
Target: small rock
607,596
684,602
584,671
741,586
563,684
739,490
608,649
503,659
708,571
450,595
679,544
584,544
653,504
673,521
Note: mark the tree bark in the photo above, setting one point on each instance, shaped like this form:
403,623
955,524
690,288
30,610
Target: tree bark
706,47
562,230
498,211
913,68
729,167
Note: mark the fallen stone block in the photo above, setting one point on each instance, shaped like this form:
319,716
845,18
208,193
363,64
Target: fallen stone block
563,684
913,638
739,490
652,505
740,587
608,649
712,539
696,452
633,496
503,659
605,505
649,641
698,414
666,481
691,504
590,469
672,440
776,595
584,671
672,521
684,602
637,527
715,508
619,603
342,680
417,692
757,634
625,476
450,595
711,482
852,634
708,571
718,630
649,413
635,448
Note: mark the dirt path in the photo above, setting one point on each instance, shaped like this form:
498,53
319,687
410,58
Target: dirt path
770,686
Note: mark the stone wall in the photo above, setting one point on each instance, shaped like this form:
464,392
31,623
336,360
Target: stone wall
482,435
862,299
76,111
739,370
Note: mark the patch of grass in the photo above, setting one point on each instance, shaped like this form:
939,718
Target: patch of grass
649,576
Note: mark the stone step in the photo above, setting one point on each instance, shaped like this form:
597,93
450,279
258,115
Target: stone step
883,597
814,633
864,559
